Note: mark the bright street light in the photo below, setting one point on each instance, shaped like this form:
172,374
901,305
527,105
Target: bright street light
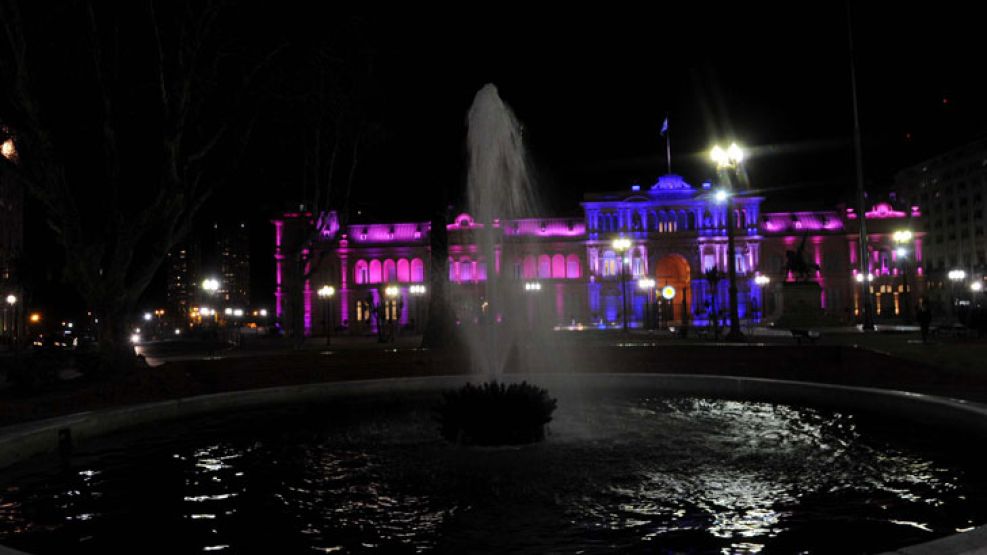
668,292
976,286
417,289
646,284
720,196
762,280
326,291
902,236
860,277
11,300
391,291
957,275
210,284
732,156
621,244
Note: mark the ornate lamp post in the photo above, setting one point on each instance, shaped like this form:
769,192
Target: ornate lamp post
326,293
648,286
727,161
901,239
392,292
622,245
762,281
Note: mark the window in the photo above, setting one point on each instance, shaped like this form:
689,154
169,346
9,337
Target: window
609,264
375,274
390,271
404,270
362,272
558,266
572,269
544,267
417,270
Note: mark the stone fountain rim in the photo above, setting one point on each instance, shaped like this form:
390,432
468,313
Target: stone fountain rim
21,441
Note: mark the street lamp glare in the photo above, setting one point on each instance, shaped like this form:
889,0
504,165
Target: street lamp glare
718,155
976,286
957,275
720,196
901,252
11,299
327,291
210,284
735,153
621,244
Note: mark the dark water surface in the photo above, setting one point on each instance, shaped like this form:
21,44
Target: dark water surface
619,473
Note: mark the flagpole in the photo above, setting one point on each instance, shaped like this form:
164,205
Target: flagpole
668,146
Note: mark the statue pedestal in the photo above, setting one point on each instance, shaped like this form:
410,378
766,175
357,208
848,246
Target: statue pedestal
801,306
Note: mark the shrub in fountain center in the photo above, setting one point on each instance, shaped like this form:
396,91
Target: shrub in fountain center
495,414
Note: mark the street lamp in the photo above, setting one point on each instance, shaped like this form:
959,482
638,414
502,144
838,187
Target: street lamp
762,281
726,161
955,276
647,285
391,309
622,245
326,292
902,238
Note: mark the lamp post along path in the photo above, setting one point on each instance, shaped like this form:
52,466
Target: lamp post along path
621,245
727,162
326,293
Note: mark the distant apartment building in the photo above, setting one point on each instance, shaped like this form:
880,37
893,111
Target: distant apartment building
950,188
182,278
233,259
223,254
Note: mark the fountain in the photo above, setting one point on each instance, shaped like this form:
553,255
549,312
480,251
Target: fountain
634,463
499,192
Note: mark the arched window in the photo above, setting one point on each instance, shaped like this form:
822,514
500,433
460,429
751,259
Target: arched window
530,271
558,266
572,270
390,271
481,271
417,270
375,271
404,271
453,270
361,272
609,264
465,269
544,267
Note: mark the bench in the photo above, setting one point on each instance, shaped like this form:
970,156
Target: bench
808,335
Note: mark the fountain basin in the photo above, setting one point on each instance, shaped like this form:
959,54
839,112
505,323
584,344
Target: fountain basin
637,491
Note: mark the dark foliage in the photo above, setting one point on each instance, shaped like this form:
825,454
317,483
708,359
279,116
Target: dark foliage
495,414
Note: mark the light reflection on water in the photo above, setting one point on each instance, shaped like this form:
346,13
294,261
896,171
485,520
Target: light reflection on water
625,474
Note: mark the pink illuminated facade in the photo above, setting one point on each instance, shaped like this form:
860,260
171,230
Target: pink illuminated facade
677,232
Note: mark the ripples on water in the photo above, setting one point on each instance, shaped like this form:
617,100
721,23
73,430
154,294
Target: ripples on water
629,473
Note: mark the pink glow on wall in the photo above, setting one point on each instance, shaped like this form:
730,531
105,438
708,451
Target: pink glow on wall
558,266
387,233
308,308
918,250
404,270
778,222
883,210
553,227
375,271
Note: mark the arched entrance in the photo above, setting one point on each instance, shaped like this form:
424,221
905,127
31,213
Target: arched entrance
674,270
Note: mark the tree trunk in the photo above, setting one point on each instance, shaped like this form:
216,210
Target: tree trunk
116,350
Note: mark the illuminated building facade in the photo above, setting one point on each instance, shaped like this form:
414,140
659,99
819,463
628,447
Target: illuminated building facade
677,233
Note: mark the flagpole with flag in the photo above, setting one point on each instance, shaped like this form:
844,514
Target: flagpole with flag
668,144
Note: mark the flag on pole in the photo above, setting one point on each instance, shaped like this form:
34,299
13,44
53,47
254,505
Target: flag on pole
664,127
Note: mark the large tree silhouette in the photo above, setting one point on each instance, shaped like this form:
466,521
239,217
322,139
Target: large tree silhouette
126,117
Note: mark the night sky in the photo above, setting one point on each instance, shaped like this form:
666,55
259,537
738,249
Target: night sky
592,88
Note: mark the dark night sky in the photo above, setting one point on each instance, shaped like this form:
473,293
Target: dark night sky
592,88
